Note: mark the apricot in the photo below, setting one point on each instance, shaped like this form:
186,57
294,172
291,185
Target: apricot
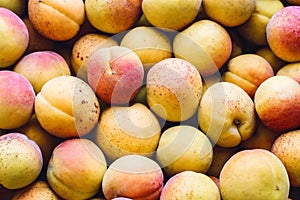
67,107
17,99
174,89
21,160
14,37
291,70
150,44
174,15
248,71
277,103
39,190
115,73
56,20
76,169
126,130
254,174
282,33
206,44
133,176
83,49
41,66
229,13
184,148
286,147
190,185
113,16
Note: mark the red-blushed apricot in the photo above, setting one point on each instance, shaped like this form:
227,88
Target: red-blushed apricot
115,73
14,37
41,66
83,49
287,148
277,103
190,185
17,99
133,176
283,33
76,169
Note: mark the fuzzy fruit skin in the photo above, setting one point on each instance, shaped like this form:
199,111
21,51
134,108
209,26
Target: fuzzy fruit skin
115,73
291,70
76,169
277,103
254,29
67,107
248,71
133,176
39,190
174,15
287,147
184,148
209,40
174,89
149,43
56,20
190,185
229,13
84,47
21,160
14,37
254,174
41,66
17,99
283,33
227,114
42,138
113,16
128,130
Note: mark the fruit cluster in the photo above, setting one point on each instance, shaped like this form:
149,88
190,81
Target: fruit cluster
150,99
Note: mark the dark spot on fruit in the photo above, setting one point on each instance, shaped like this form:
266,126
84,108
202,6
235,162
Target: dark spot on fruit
83,102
